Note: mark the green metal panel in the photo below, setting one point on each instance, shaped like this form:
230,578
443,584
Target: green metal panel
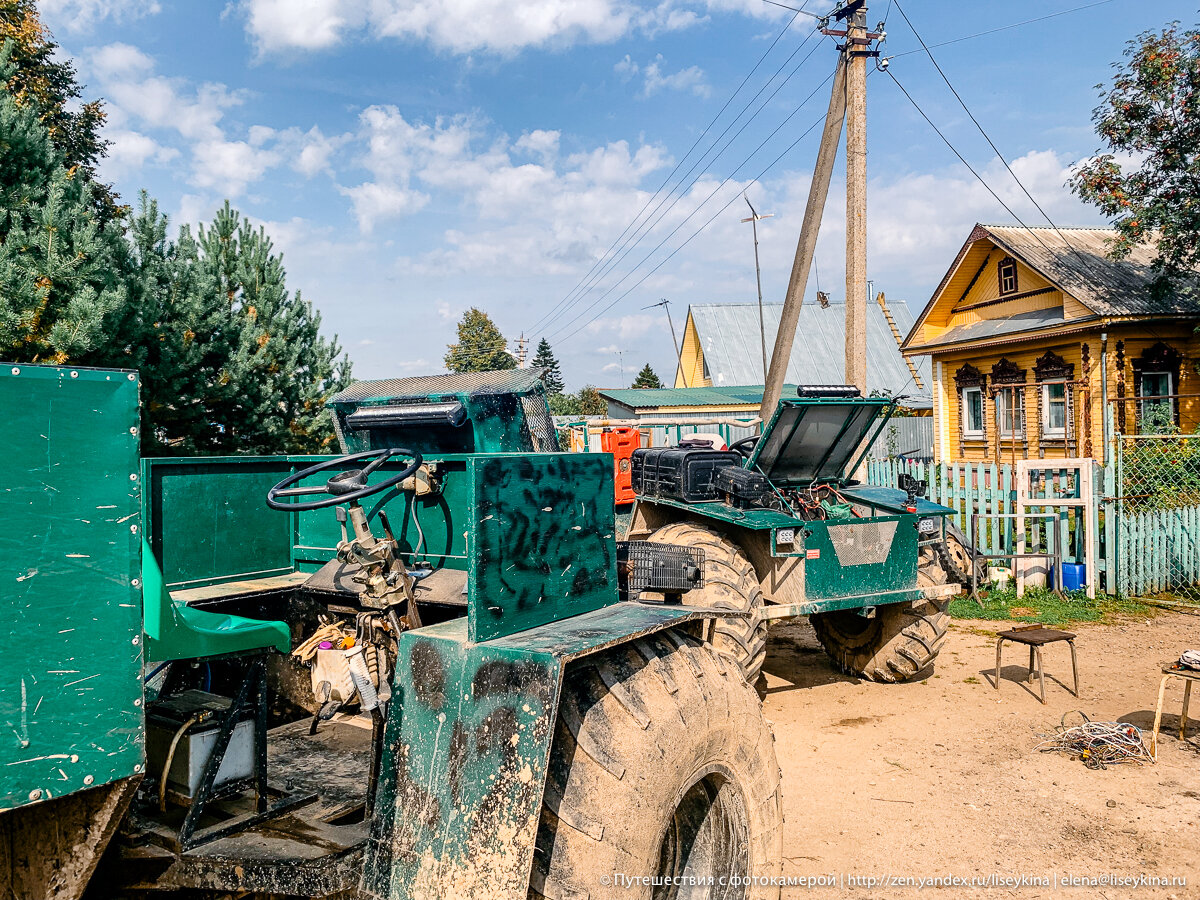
209,522
71,680
827,575
541,534
466,749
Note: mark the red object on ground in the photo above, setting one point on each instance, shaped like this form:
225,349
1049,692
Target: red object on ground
621,442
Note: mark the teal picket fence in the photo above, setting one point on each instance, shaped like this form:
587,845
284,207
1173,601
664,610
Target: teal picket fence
989,490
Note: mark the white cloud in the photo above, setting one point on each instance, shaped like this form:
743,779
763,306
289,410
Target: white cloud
81,15
129,151
467,26
539,143
374,203
229,166
141,102
689,79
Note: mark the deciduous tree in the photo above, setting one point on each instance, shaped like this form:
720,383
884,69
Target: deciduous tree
480,346
1150,116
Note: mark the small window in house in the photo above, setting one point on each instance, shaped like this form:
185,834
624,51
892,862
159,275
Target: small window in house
1157,404
972,413
1010,413
1008,276
1054,410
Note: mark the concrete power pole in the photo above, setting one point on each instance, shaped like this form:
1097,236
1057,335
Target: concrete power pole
848,99
762,328
857,50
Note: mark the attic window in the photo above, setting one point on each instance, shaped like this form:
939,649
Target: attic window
1007,269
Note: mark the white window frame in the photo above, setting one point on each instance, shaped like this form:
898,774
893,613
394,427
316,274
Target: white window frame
1048,432
1010,265
1145,400
1003,406
969,433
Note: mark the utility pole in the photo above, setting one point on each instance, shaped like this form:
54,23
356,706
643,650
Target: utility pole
666,305
522,344
848,95
762,328
857,49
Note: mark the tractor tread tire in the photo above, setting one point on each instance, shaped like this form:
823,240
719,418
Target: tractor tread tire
901,641
704,718
954,571
729,583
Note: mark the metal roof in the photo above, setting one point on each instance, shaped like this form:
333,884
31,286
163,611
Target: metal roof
654,398
1077,261
732,347
516,381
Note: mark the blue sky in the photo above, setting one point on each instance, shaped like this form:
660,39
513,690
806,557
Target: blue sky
412,158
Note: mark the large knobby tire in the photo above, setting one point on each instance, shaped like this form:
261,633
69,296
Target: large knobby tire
899,641
662,765
729,583
958,556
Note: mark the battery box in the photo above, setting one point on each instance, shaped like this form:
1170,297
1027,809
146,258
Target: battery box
743,488
679,473
204,711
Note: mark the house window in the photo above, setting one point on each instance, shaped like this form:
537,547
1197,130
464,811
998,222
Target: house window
1008,275
1157,405
1054,411
972,413
1010,412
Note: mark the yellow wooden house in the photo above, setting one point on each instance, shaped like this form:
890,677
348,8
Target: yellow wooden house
1034,332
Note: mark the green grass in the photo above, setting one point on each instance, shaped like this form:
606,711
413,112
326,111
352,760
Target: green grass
1041,605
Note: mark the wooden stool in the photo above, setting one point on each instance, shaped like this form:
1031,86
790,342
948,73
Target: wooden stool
1035,636
1188,676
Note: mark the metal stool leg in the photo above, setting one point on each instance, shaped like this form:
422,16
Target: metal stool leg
1162,688
1041,673
1032,650
1187,695
1074,667
999,645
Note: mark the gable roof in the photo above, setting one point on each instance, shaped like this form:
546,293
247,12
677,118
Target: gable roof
729,338
1076,261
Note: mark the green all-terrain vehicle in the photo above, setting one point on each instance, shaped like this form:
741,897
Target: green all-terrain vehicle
786,532
398,673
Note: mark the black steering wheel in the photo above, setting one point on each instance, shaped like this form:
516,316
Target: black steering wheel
345,486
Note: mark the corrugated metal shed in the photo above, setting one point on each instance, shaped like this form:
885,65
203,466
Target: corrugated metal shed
1077,261
729,337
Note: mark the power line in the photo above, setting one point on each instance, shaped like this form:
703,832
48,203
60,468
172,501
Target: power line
682,159
711,219
702,203
986,137
969,37
659,213
963,160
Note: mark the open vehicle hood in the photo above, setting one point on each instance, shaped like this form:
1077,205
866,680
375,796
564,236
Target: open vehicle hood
818,439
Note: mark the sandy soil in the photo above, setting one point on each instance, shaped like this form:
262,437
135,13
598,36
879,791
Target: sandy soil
938,777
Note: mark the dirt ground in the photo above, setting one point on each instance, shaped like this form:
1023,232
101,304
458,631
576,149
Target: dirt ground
938,777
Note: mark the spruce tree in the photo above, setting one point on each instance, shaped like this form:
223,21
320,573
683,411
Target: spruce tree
547,361
647,378
480,346
62,269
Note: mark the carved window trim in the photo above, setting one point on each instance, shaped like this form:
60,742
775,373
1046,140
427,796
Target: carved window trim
1005,371
967,380
1006,276
1159,359
1049,370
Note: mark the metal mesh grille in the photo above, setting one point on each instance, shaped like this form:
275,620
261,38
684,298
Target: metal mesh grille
539,424
511,381
862,543
647,566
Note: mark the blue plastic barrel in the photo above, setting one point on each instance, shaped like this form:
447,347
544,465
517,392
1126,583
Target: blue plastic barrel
1074,576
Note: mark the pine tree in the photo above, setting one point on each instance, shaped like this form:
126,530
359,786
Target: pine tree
647,378
546,360
41,79
480,346
230,361
62,270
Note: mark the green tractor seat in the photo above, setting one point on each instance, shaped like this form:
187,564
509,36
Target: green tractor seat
175,630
